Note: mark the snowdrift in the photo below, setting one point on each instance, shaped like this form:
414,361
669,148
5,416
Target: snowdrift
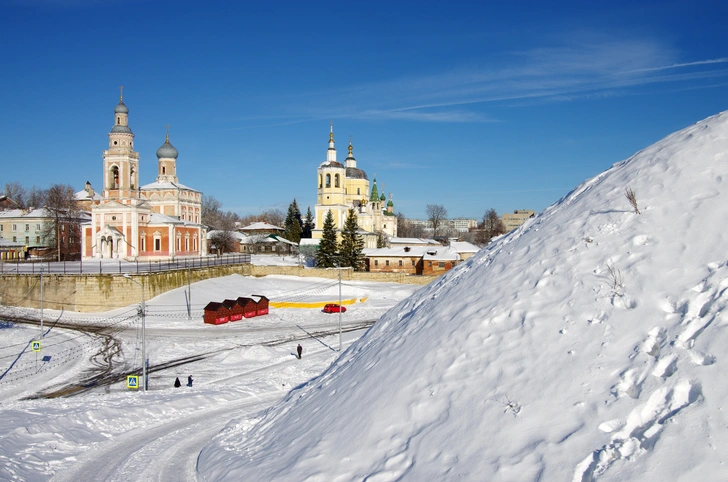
586,345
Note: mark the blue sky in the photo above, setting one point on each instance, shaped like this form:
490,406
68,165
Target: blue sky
472,105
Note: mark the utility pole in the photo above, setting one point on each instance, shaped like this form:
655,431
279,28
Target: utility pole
189,293
41,300
144,337
340,307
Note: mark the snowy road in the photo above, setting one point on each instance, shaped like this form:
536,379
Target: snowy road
168,451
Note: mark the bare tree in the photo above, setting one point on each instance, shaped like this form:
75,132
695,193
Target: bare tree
16,193
63,230
492,226
436,214
35,197
224,237
276,217
210,211
407,229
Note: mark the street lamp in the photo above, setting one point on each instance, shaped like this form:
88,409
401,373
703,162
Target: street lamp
41,301
144,338
340,308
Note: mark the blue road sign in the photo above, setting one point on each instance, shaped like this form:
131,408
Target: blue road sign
35,346
132,381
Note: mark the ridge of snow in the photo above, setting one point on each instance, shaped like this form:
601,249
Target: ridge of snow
586,345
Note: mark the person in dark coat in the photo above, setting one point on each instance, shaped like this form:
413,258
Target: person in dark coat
300,350
177,383
189,381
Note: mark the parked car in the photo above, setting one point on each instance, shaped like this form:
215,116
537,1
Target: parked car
334,308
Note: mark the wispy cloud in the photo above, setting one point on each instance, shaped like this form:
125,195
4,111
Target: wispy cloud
544,74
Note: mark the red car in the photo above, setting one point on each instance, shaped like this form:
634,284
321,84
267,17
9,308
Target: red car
334,308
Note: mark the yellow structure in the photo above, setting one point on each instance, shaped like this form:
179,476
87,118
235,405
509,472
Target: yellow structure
344,186
519,216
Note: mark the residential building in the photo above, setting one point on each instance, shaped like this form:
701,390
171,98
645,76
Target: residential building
30,228
512,220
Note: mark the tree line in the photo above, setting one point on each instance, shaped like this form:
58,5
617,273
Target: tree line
488,227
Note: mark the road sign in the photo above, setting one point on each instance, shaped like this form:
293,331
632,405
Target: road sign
132,381
35,346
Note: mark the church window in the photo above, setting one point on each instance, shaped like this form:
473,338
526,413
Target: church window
114,181
116,143
358,191
133,184
328,180
400,262
157,241
118,121
320,182
143,243
179,242
336,181
164,170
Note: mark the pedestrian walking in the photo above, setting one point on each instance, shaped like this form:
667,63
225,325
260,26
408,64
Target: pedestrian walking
177,383
189,381
300,350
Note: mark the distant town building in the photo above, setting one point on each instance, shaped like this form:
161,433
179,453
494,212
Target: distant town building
462,225
518,217
30,228
344,186
157,220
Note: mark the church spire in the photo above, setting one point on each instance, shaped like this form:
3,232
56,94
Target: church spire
331,153
350,161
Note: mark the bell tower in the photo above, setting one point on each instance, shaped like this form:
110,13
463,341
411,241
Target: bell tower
121,162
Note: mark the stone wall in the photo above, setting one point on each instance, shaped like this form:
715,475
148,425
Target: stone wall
102,292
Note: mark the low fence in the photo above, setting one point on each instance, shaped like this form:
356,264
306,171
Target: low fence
119,266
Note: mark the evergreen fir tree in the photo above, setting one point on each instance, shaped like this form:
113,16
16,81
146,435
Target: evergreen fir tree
292,225
381,240
352,243
308,225
297,214
327,255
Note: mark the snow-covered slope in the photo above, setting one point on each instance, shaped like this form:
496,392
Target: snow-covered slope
587,345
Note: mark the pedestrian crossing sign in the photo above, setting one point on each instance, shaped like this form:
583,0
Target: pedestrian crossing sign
132,381
35,346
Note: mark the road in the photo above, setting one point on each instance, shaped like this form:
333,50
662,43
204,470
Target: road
167,452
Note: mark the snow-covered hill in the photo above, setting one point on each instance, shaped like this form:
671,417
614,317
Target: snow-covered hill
587,345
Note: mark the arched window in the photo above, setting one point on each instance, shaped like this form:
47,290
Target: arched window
132,183
114,178
321,182
164,170
358,191
118,121
336,181
328,180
